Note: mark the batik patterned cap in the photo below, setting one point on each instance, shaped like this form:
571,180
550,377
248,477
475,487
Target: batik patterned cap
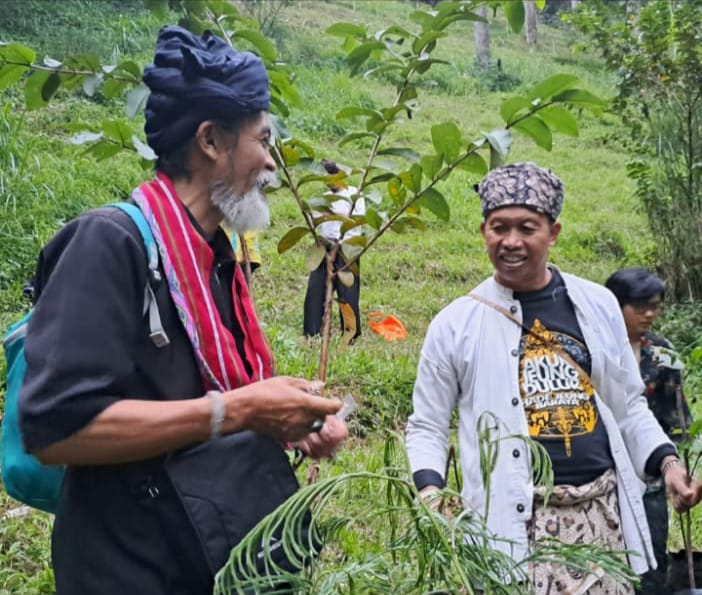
521,185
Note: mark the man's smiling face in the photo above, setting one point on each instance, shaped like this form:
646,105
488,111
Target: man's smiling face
517,241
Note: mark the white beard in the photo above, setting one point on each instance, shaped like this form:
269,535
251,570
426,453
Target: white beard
243,212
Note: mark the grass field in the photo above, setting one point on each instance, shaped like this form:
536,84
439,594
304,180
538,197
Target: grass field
44,181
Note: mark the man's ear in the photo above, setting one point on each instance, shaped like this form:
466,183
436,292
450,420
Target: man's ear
209,140
555,230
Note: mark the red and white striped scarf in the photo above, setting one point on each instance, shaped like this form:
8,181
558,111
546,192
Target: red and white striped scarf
187,262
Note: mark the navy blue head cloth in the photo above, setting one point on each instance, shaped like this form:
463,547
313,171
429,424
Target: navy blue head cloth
194,79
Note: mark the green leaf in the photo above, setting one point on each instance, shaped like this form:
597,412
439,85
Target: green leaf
514,11
355,136
18,53
346,30
376,126
388,67
422,64
513,106
313,257
10,74
540,4
396,190
292,237
412,179
131,68
312,178
408,94
433,200
85,62
144,150
580,97
113,87
350,252
50,86
291,156
409,154
136,101
360,54
560,119
346,278
380,178
394,30
401,225
34,89
430,164
474,163
534,127
264,47
281,85
353,111
423,18
447,140
354,240
103,149
373,218
500,140
422,42
552,86
119,131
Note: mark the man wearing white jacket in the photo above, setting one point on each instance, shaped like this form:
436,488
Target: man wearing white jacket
547,354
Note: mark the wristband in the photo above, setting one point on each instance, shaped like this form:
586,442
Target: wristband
217,418
667,465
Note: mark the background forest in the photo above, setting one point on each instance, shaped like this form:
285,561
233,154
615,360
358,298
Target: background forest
45,180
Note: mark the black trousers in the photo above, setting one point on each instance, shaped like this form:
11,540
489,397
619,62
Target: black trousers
314,298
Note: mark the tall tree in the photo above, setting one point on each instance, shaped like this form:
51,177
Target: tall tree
482,39
530,22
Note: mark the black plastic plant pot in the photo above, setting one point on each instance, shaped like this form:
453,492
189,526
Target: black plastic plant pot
678,576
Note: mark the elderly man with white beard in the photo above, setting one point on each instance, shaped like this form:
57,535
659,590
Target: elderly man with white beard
134,419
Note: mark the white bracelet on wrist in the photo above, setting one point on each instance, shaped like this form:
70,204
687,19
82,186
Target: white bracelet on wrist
217,418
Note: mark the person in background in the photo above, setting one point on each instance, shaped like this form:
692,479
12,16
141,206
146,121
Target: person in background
330,232
640,295
253,250
546,354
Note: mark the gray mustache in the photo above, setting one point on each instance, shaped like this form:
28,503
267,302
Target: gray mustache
268,178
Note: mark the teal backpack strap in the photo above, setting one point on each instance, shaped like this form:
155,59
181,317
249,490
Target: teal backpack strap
156,332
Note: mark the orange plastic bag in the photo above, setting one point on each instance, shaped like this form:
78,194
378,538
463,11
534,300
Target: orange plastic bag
388,327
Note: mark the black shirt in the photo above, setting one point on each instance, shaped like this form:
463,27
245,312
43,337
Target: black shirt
119,528
558,397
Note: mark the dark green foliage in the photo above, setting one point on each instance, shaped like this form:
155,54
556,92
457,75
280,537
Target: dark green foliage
657,57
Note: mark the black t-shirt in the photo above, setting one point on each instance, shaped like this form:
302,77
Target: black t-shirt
558,398
119,528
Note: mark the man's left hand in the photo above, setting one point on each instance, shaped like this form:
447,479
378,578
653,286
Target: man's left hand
322,444
684,492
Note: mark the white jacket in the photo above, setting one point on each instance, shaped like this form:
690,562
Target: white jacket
470,359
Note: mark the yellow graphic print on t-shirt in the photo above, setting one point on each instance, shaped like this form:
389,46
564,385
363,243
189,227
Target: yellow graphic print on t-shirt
558,397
